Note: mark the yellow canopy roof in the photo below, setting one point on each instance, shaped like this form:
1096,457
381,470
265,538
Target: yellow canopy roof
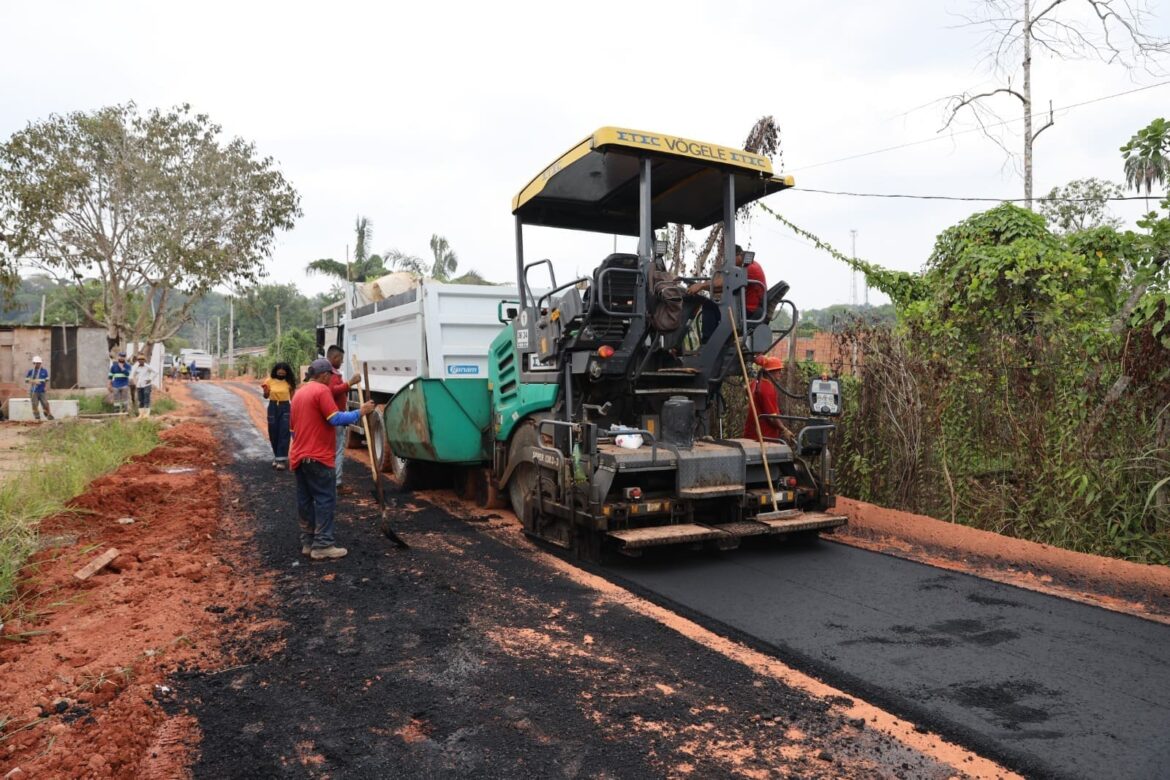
594,186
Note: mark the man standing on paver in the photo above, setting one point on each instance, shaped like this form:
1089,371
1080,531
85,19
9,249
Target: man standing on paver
764,421
37,378
313,418
142,380
340,389
119,382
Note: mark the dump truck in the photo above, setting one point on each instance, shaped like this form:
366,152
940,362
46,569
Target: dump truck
596,419
204,362
415,328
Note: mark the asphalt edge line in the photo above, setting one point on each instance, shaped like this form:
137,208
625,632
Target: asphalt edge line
907,733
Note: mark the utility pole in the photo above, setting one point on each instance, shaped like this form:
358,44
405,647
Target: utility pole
793,374
278,331
42,311
231,336
853,276
218,335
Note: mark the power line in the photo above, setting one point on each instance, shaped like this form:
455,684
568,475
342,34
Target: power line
1040,198
934,138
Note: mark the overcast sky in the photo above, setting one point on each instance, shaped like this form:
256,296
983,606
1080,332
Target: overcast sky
429,117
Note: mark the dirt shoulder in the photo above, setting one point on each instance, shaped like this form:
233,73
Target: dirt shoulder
1137,589
86,664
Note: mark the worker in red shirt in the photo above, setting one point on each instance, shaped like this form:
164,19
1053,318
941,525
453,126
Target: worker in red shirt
340,389
312,420
767,401
754,295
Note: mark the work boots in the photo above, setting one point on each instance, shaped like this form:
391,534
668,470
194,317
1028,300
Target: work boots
326,553
144,412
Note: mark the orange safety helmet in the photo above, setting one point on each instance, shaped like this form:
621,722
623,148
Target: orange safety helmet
769,362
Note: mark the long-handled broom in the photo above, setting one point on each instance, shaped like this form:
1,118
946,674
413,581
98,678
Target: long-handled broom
775,514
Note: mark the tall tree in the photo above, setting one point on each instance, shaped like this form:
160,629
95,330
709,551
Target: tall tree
1145,163
364,266
1147,156
446,262
1112,31
156,207
404,261
254,320
1080,205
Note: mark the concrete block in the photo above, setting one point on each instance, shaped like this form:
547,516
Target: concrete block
20,409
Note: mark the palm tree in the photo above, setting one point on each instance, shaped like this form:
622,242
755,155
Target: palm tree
445,259
471,277
405,262
364,266
1147,157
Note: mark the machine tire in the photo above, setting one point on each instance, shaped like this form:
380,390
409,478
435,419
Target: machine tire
382,454
523,481
407,472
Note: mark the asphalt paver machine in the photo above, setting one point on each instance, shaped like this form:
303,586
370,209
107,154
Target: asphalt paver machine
596,420
607,357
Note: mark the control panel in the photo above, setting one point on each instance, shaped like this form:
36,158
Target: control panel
824,397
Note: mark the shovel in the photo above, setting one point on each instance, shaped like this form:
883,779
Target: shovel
375,471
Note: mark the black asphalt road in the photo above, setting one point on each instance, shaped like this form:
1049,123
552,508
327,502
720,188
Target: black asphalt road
1050,687
462,658
247,443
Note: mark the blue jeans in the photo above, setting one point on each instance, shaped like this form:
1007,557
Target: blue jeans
278,428
339,451
316,502
144,397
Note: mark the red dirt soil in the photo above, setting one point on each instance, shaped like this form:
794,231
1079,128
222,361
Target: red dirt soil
1133,588
84,664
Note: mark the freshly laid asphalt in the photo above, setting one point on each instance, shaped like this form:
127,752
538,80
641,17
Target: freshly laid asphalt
1050,687
247,443
462,657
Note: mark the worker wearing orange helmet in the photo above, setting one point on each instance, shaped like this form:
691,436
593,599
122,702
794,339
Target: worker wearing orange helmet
767,401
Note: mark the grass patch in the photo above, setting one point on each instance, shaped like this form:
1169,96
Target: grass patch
62,461
96,404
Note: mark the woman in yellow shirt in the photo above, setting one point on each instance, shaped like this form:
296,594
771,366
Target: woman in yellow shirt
279,389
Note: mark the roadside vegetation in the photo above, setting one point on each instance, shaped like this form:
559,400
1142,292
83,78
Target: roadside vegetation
1025,387
62,460
97,404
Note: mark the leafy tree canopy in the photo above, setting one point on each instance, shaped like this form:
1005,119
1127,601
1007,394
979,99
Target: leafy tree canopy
159,208
1080,205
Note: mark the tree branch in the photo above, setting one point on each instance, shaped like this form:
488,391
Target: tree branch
1050,123
969,101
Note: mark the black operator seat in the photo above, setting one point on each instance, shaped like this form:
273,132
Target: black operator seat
775,294
616,286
